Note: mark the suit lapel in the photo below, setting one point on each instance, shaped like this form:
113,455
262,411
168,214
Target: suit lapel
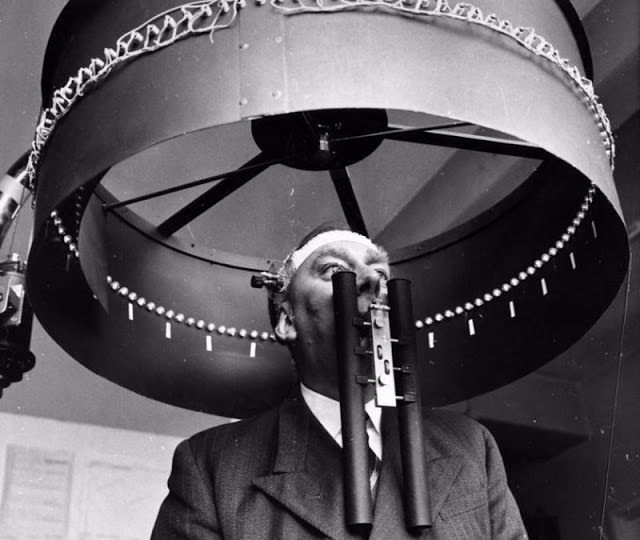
441,474
307,473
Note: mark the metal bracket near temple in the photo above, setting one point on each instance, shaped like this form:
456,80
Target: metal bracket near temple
382,356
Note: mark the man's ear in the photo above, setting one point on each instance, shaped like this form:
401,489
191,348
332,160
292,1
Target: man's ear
285,329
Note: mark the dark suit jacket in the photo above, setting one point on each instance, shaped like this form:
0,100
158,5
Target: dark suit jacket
279,476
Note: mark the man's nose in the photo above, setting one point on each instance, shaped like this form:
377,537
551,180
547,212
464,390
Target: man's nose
368,282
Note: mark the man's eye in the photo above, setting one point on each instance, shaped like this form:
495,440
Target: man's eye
332,268
383,274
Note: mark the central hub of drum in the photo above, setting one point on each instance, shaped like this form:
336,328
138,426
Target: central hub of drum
320,140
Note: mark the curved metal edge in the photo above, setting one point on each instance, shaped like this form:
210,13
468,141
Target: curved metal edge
573,19
475,224
211,255
257,264
128,354
224,381
568,295
43,280
611,195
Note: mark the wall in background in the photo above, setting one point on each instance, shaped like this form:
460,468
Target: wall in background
68,480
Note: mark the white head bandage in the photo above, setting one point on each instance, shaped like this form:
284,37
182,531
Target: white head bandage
277,281
296,258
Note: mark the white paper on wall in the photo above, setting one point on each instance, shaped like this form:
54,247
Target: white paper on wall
36,493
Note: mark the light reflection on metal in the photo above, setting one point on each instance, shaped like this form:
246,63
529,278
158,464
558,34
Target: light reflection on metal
13,192
382,355
16,316
16,319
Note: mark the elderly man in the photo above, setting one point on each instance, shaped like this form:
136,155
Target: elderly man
279,475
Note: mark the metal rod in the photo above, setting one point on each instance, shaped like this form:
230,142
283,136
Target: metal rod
188,185
344,189
355,461
414,474
467,141
213,195
398,130
19,169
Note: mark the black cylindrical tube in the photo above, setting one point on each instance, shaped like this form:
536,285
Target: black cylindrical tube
357,494
416,493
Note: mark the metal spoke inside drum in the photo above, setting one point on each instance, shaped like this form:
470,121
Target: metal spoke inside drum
233,180
214,195
466,141
189,185
348,201
400,129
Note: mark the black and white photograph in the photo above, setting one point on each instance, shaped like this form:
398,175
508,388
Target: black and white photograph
319,269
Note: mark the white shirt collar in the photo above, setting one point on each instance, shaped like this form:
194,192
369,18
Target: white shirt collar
327,411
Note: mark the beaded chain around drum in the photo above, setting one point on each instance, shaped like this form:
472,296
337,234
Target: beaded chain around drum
207,17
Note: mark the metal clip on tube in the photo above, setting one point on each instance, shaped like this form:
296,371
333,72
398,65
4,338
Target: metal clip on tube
416,494
357,494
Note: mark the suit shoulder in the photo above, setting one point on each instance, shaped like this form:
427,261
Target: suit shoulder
456,429
240,434
456,420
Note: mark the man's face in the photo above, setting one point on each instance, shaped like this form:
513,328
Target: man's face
310,301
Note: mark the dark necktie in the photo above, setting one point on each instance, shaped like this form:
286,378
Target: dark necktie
374,472
374,468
